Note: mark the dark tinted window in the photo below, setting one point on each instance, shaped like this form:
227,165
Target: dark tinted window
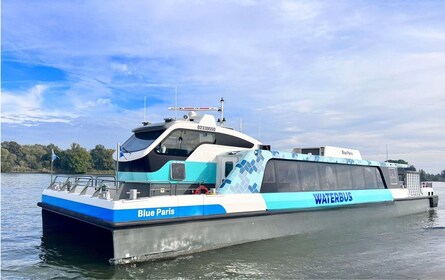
311,151
295,176
228,168
228,140
140,141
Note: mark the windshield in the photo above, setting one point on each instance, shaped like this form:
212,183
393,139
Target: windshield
140,141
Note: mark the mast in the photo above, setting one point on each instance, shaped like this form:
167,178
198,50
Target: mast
221,119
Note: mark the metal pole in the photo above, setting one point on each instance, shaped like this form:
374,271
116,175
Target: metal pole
221,117
118,154
52,160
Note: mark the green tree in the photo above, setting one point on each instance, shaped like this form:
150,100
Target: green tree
33,156
423,175
78,160
101,158
8,160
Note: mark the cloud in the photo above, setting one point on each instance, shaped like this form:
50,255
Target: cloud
27,108
304,73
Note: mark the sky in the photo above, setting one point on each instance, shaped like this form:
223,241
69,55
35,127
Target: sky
366,75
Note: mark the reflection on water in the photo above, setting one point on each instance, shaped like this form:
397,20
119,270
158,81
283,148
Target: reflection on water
407,247
68,248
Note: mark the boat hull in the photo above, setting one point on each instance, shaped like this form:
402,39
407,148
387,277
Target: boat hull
136,243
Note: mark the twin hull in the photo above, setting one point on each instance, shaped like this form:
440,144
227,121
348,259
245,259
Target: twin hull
143,236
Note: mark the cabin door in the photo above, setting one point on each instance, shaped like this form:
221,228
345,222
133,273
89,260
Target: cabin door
225,167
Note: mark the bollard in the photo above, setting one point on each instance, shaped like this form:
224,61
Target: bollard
133,194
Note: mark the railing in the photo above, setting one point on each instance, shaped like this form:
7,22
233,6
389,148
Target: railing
96,186
107,187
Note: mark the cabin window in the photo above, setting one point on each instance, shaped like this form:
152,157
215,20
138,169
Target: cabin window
370,178
140,141
183,142
295,176
358,179
228,168
344,177
393,176
328,178
288,179
378,175
309,176
177,171
269,182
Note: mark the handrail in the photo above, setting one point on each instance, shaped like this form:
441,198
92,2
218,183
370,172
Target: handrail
107,187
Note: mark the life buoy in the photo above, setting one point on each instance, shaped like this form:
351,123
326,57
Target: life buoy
201,189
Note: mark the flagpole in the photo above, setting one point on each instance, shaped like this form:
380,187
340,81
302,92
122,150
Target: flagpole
52,160
118,151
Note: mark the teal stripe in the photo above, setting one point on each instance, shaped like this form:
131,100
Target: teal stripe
300,200
195,172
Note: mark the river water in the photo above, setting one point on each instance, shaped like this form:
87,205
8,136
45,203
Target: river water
410,247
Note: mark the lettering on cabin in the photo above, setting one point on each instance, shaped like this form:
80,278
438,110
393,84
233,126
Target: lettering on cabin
158,212
206,128
332,198
349,153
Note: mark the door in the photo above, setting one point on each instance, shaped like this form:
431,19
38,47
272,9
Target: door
225,166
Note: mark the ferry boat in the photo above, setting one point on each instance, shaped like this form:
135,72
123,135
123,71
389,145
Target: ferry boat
190,185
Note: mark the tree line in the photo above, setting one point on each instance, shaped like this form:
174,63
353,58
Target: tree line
37,158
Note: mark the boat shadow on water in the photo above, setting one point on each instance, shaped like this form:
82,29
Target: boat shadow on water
76,242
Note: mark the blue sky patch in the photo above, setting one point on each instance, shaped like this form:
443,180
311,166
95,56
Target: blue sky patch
16,74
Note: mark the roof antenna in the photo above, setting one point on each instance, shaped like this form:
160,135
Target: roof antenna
221,119
145,109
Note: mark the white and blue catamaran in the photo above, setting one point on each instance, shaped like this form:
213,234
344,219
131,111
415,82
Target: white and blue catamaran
191,185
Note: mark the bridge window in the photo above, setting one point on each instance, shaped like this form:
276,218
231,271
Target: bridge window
140,141
183,142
